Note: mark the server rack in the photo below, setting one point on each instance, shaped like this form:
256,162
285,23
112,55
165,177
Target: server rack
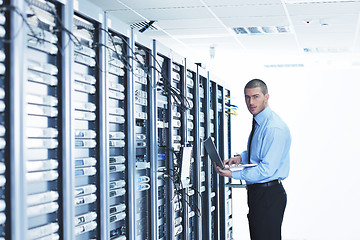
179,107
83,107
214,178
87,116
165,162
171,112
226,197
118,80
220,101
192,231
142,67
42,121
205,164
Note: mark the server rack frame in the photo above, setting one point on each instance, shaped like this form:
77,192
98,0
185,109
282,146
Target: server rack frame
221,134
17,115
68,140
216,177
154,151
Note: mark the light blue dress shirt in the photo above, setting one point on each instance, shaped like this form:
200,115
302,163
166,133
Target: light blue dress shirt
270,148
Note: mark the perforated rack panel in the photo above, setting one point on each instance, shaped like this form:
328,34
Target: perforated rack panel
86,123
4,126
117,65
43,113
142,78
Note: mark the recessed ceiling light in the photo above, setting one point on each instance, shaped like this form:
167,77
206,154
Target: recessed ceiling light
262,30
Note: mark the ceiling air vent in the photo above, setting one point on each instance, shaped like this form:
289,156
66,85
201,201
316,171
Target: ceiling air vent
326,50
262,30
286,65
144,25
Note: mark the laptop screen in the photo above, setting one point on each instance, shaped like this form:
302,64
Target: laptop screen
212,151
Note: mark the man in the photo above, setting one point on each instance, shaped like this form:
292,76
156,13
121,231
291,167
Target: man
268,147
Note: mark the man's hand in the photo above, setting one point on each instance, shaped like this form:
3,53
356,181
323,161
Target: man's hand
233,161
223,172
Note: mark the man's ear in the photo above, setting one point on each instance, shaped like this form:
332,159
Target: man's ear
267,97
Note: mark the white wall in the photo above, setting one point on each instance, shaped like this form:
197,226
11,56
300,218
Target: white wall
321,105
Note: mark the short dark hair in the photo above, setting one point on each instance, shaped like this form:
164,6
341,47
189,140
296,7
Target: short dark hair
257,83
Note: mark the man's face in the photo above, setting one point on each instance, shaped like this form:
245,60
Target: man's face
255,100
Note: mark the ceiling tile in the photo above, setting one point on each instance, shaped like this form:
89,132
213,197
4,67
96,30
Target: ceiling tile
248,10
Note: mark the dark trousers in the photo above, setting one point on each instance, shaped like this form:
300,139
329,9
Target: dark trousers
266,211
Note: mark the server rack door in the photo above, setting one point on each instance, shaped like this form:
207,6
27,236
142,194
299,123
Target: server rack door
180,105
117,75
165,151
192,193
228,109
43,120
86,122
222,127
142,78
204,119
214,178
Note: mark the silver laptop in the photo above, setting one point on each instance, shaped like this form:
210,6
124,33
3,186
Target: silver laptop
215,157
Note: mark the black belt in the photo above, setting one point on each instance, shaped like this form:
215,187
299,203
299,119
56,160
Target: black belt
263,185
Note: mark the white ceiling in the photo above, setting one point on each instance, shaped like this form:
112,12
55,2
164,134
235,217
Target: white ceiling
196,25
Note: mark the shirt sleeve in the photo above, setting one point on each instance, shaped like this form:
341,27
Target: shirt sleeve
244,157
244,160
270,156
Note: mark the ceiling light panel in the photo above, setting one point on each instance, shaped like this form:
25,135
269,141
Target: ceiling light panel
264,30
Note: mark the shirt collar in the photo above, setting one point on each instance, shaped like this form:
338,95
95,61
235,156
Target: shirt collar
261,117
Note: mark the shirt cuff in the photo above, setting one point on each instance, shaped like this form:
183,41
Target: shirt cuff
237,175
244,157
